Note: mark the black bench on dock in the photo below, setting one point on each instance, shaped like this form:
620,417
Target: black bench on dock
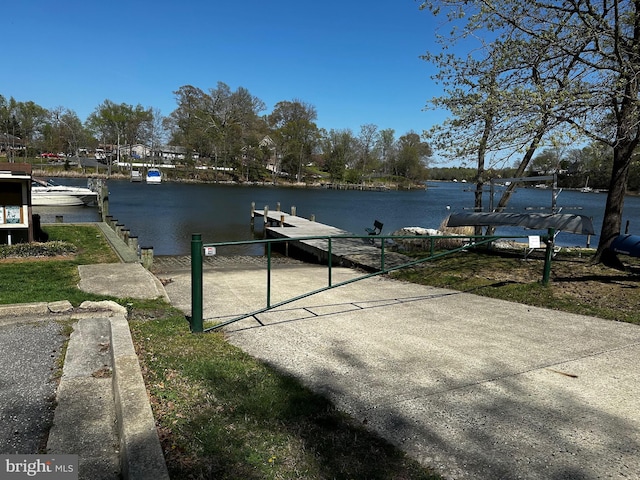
376,230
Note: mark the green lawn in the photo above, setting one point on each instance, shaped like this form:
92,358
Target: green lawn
49,272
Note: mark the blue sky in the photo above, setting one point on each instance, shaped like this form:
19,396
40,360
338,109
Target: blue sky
356,62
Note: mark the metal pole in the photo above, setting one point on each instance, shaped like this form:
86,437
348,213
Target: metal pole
547,258
268,274
329,262
382,254
196,283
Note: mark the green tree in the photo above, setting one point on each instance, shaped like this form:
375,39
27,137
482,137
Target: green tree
295,133
339,148
118,123
9,125
589,51
413,155
185,123
31,119
221,124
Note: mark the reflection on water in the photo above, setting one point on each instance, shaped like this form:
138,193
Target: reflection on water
165,216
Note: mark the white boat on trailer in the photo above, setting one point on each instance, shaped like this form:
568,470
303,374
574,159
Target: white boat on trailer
45,193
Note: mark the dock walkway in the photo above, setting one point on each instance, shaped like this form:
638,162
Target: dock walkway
351,252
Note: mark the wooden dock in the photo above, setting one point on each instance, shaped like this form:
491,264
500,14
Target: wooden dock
349,252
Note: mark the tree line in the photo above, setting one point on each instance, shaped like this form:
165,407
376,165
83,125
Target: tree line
575,168
519,76
226,128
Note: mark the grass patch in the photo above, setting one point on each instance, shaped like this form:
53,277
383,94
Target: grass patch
576,285
223,415
46,278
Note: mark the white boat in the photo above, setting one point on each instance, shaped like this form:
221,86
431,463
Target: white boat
48,194
586,188
154,175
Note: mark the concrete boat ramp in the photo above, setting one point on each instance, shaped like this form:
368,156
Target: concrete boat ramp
364,252
478,388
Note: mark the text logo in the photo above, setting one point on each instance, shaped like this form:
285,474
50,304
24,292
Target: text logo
50,467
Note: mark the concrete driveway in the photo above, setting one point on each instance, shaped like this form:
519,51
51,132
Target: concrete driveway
477,388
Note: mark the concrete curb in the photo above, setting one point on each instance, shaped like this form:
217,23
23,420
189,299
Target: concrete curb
141,455
113,411
35,308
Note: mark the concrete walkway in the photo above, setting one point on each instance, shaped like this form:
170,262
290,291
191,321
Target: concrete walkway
477,388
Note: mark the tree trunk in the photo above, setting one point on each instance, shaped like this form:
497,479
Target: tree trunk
482,149
627,136
612,221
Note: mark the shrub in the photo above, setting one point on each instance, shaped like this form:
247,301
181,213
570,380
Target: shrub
36,249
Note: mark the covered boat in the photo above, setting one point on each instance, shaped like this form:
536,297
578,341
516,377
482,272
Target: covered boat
154,175
537,221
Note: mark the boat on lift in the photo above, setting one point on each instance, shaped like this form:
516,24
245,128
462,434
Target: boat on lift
154,176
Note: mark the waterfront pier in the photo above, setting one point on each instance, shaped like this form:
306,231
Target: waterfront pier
363,251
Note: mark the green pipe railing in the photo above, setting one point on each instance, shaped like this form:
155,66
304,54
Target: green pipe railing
197,322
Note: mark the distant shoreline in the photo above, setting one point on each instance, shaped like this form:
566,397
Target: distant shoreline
38,172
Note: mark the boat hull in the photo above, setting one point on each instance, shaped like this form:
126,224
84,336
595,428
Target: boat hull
48,194
61,200
154,176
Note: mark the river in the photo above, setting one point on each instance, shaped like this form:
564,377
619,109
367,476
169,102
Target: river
165,216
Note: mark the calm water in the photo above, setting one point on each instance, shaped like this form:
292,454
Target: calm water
165,216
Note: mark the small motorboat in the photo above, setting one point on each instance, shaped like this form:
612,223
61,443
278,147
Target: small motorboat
154,175
46,193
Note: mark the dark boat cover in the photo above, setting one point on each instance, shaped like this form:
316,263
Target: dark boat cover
535,221
626,245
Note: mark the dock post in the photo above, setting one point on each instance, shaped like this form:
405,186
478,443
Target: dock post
103,201
146,254
133,243
196,283
312,218
293,210
282,220
266,214
253,214
277,206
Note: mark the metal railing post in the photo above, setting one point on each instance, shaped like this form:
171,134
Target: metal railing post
547,257
268,274
196,283
382,254
329,262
